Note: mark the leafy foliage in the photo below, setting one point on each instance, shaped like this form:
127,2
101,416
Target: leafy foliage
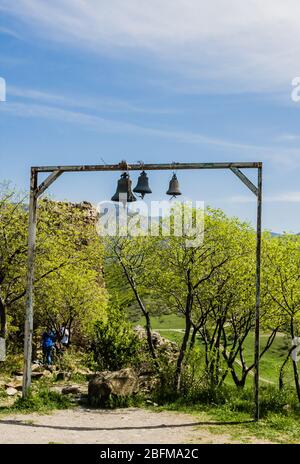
69,286
42,400
115,345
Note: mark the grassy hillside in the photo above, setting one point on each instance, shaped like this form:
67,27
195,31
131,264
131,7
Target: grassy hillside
171,327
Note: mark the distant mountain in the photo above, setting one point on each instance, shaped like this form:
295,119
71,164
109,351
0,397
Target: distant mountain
275,234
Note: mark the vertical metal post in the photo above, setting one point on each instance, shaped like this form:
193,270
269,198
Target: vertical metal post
258,282
30,282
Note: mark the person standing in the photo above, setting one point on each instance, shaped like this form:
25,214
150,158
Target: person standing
65,334
48,342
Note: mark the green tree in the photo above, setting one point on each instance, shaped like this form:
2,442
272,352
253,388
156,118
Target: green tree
283,281
182,270
13,250
73,298
229,301
128,260
68,259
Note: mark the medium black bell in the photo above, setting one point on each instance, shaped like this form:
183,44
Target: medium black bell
174,189
124,192
142,186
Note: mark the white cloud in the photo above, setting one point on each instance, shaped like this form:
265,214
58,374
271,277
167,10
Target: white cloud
10,32
287,158
95,103
241,199
253,45
101,124
288,197
288,138
284,197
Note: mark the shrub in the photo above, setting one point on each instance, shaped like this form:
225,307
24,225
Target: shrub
165,391
119,401
275,400
43,399
196,385
197,389
115,345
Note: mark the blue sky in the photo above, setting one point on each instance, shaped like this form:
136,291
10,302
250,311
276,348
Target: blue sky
93,80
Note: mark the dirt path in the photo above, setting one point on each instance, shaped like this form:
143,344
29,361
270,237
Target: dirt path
110,427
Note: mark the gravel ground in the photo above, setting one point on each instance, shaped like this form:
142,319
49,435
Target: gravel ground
120,426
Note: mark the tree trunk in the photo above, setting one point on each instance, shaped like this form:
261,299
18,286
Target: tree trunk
146,314
149,335
184,343
148,323
295,369
193,338
240,383
296,378
3,320
281,372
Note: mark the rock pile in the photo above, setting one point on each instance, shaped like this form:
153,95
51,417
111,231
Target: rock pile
121,383
161,344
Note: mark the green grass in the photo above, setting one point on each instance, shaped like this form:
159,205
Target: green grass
271,361
164,325
167,321
269,364
232,417
13,362
43,400
240,427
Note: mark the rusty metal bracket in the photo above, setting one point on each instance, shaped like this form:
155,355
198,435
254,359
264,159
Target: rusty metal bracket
48,181
245,180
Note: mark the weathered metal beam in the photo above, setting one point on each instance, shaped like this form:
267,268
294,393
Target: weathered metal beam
245,180
47,182
258,291
30,280
148,167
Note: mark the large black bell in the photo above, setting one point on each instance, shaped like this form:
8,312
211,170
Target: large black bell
142,186
124,192
174,189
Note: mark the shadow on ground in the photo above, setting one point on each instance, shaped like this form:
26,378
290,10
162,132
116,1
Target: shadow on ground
148,427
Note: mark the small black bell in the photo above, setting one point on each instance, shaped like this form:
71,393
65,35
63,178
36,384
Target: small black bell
124,192
174,189
142,186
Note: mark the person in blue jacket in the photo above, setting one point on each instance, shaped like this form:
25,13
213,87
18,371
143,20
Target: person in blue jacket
48,342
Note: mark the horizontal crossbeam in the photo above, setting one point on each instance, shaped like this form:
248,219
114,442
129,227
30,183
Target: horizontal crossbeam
148,167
